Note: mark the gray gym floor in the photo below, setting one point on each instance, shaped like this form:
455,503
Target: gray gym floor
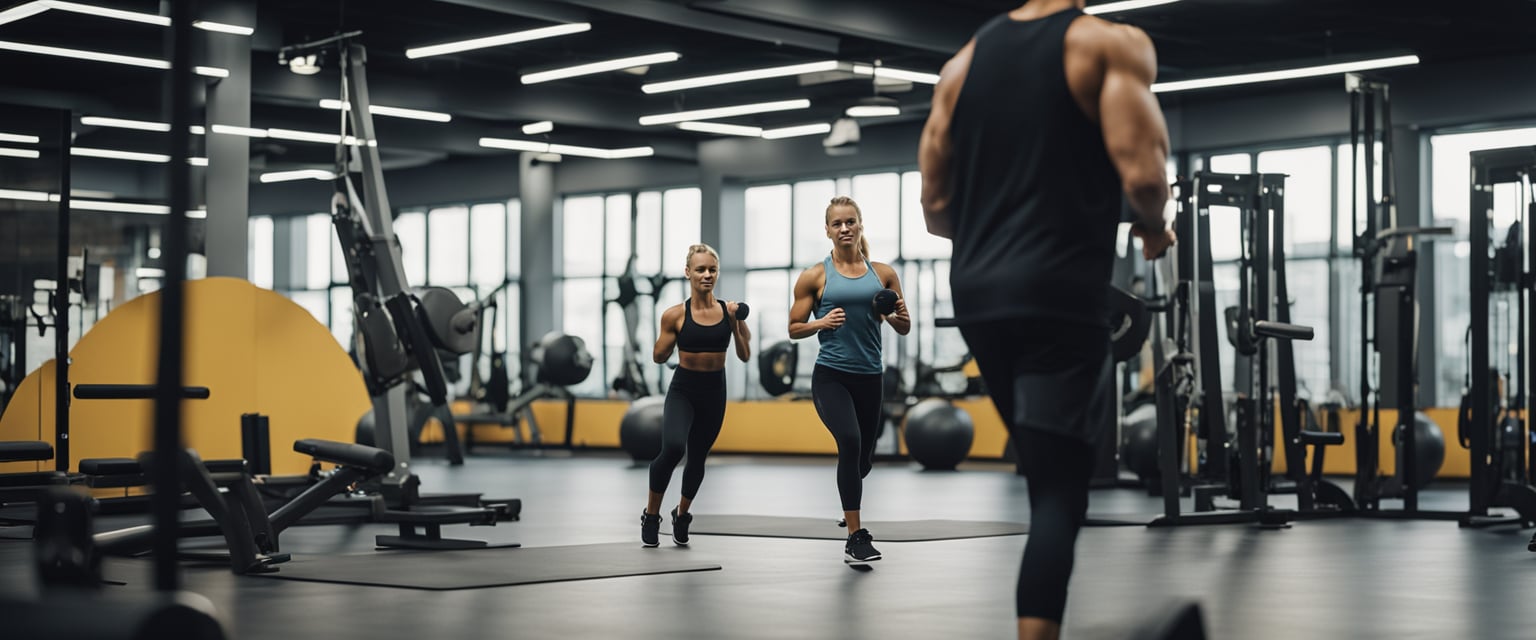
1321,579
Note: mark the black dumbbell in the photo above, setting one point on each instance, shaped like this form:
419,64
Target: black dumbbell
885,302
742,311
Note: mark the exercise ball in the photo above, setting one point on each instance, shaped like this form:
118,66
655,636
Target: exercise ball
562,360
1429,444
640,430
938,434
1138,442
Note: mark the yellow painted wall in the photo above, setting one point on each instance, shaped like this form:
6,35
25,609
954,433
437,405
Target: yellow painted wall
256,351
790,426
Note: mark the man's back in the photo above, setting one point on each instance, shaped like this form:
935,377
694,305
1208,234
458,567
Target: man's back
1036,198
1037,125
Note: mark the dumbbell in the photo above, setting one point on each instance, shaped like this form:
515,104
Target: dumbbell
742,311
885,302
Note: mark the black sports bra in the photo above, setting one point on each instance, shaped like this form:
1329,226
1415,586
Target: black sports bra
697,338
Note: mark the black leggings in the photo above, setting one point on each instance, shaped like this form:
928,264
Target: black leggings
849,404
1052,384
691,419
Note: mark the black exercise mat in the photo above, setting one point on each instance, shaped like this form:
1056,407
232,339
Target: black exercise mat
479,568
827,529
1120,519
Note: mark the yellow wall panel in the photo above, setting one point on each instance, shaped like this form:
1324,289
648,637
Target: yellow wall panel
255,350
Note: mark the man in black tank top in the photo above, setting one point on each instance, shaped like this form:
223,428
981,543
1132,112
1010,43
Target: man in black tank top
1038,125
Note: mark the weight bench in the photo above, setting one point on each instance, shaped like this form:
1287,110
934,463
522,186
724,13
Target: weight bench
242,519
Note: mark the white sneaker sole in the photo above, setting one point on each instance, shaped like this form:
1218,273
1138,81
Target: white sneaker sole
848,559
679,543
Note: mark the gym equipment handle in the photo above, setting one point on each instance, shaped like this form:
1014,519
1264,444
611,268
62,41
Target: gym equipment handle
131,392
1414,231
1283,331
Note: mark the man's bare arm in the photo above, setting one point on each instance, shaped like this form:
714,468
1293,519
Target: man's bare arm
934,150
1135,134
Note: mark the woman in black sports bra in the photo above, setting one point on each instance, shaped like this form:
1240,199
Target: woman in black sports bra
701,329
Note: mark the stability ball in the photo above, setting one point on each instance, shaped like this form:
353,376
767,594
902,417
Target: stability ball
1138,442
1429,444
938,434
640,430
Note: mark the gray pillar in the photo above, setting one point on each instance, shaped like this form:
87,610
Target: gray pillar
229,156
539,311
289,252
722,225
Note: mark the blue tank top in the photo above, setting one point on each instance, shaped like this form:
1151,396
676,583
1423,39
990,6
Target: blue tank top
855,346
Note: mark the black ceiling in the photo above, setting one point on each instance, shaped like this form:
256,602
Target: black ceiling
482,91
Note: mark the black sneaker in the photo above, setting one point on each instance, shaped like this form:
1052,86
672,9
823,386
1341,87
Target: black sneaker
860,549
680,528
650,529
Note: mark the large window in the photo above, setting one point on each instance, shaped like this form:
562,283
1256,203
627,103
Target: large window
1450,196
598,234
1310,258
469,249
893,224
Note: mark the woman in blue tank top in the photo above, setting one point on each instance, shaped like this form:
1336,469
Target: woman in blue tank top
847,382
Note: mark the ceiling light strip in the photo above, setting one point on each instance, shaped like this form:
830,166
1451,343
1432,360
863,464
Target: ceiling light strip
600,67
1284,74
498,40
725,112
1124,5
740,76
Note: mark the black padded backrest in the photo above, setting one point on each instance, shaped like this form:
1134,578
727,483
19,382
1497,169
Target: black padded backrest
110,466
347,454
25,450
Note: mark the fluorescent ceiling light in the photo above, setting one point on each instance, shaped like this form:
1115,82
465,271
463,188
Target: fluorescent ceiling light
149,272
20,153
23,11
893,73
717,127
119,14
1284,74
627,152
208,25
739,76
17,137
96,56
725,112
98,121
801,130
872,111
197,162
381,110
232,130
515,145
119,207
496,41
1126,5
542,126
304,136
566,149
119,155
15,194
301,174
600,67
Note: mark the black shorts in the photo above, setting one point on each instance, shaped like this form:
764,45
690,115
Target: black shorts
1047,375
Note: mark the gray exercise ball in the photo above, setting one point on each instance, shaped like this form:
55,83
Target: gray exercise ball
938,434
1429,444
1138,442
640,429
